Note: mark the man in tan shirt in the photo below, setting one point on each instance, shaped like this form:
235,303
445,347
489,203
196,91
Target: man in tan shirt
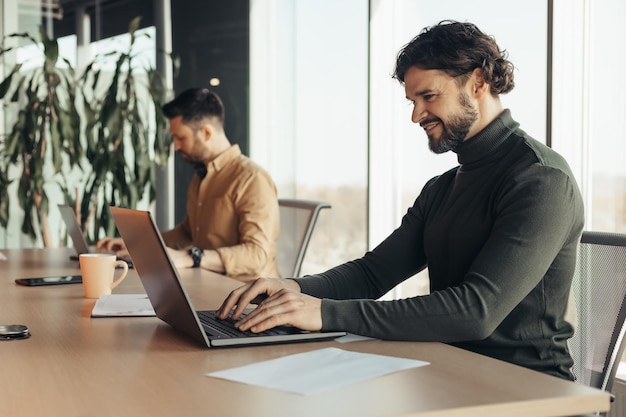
232,221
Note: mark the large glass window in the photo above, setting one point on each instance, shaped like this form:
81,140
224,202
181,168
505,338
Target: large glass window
589,105
309,67
607,125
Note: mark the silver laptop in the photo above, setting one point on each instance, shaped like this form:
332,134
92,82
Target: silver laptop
169,299
76,234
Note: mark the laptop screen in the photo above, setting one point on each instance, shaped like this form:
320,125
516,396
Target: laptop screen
158,276
73,229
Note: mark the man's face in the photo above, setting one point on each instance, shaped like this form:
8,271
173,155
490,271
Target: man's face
444,110
187,142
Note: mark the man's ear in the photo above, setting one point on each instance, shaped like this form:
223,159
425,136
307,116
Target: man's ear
207,131
479,85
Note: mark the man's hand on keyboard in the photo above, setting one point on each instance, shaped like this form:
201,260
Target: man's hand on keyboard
284,305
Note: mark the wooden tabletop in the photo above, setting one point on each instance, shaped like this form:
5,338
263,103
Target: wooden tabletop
78,366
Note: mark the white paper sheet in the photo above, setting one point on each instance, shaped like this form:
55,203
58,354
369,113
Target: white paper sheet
3,257
123,305
318,370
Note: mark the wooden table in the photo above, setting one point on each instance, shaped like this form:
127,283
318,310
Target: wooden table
76,366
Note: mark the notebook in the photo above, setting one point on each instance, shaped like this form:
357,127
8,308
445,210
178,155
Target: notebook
76,234
170,300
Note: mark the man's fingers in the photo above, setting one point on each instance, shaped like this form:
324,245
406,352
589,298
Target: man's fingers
255,292
276,310
102,243
238,299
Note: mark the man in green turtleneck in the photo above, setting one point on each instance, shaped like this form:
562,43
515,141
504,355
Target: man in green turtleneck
498,233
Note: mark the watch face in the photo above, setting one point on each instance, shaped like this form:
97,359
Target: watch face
196,253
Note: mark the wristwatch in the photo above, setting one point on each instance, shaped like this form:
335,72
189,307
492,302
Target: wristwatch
196,254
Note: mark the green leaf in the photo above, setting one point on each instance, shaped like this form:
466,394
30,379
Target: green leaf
96,77
132,28
111,107
3,51
51,50
56,146
70,67
23,35
4,198
26,202
13,144
18,88
6,83
45,204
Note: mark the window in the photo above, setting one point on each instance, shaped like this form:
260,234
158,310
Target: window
308,127
589,105
607,125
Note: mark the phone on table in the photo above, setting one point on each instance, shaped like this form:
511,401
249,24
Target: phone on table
34,282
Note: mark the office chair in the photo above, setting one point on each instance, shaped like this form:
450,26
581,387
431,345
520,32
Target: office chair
600,292
297,220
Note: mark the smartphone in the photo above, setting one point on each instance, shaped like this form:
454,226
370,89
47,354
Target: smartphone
33,282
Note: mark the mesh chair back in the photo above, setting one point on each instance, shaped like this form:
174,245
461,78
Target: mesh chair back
599,289
297,220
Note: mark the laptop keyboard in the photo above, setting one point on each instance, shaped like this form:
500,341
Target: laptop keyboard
227,326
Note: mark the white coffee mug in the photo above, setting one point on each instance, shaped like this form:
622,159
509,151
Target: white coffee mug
98,270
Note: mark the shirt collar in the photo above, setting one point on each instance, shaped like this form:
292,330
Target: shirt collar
219,162
225,157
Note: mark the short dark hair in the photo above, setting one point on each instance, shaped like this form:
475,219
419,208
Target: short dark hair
457,49
195,105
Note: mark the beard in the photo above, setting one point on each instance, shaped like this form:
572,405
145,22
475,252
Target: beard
193,160
196,153
455,130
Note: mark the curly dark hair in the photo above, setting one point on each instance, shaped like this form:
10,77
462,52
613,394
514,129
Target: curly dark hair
457,49
195,105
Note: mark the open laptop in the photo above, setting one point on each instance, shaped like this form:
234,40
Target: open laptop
170,300
76,234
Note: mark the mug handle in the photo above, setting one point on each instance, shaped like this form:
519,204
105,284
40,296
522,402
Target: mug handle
119,279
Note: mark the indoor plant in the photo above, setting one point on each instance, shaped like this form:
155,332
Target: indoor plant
107,126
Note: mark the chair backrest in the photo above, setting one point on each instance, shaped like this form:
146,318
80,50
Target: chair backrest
600,292
297,220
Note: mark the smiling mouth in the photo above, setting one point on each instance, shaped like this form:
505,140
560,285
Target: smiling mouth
428,126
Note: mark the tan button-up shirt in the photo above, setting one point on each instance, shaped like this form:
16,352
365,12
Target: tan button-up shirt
234,210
